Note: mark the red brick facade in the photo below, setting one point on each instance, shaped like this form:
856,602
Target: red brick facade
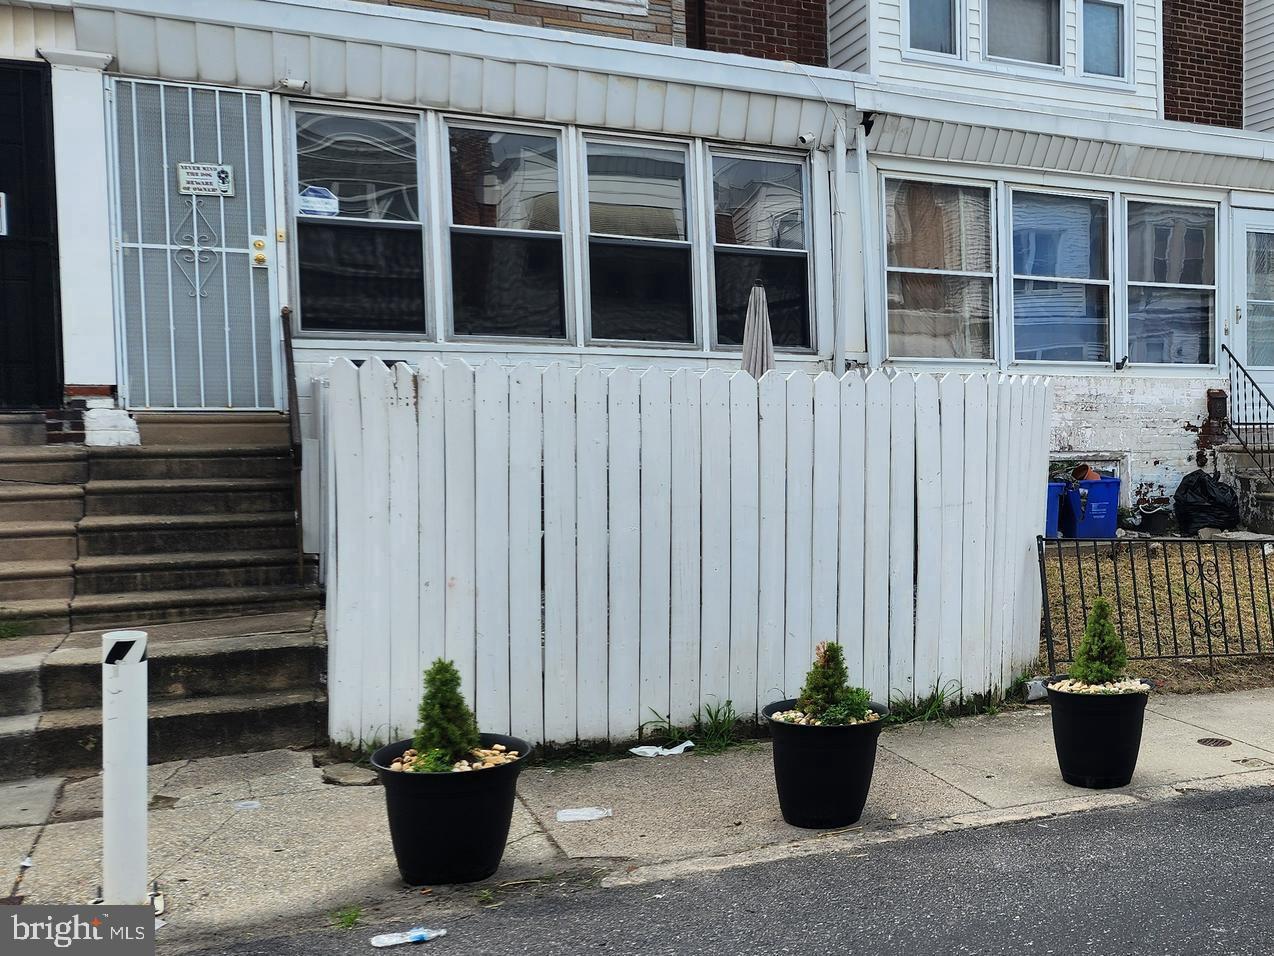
1203,61
773,29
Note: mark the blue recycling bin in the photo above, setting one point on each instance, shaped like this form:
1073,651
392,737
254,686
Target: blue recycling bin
1056,490
1090,509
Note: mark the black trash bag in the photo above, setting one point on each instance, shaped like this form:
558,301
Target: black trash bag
1202,501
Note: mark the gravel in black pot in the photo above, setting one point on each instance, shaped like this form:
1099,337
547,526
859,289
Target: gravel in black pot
823,773
449,827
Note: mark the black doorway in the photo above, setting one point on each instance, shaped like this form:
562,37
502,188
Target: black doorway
30,366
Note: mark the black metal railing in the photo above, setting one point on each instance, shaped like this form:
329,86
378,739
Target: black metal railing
1173,597
1250,415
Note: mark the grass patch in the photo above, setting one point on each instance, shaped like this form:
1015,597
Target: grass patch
946,702
10,629
716,728
347,917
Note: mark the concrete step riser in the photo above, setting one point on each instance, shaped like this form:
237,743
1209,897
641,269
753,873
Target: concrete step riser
172,468
19,691
180,540
58,750
131,617
190,503
120,582
18,589
22,434
38,548
48,509
254,671
47,472
37,623
154,434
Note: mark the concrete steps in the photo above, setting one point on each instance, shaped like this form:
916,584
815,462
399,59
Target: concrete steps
22,428
187,496
36,501
106,574
45,464
20,580
192,461
159,534
239,428
191,604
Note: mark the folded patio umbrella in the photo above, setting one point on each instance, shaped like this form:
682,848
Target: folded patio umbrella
758,342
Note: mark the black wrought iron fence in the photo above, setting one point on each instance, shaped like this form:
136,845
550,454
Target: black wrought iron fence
1173,597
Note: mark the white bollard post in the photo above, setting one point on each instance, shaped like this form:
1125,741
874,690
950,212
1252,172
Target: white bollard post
124,775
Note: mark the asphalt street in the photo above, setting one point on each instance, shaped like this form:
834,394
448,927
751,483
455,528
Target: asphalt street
1192,875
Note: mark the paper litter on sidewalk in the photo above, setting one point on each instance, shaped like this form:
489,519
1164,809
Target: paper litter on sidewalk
583,814
650,750
418,935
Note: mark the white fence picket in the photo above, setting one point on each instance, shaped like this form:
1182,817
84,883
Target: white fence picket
624,505
592,557
595,549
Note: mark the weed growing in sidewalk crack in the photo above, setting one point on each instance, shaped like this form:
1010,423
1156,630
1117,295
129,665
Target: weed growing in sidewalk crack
347,917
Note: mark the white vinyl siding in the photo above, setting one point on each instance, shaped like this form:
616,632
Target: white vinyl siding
1258,65
883,37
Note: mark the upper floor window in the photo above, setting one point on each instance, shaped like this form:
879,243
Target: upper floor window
932,25
1103,38
1026,30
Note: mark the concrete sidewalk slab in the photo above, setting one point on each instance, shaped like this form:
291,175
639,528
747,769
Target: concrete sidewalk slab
25,803
1245,716
15,845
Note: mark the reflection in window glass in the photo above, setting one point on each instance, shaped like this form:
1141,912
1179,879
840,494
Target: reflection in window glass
506,242
1055,238
1173,247
760,238
932,25
639,256
356,277
1170,326
940,286
1171,244
1027,30
1103,38
1260,299
367,162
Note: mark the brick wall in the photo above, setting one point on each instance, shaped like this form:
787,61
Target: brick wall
664,20
773,29
1203,61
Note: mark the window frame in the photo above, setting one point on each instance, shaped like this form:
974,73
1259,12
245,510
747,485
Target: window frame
447,225
1219,255
1049,69
1126,50
693,212
994,360
295,218
710,197
960,27
1112,308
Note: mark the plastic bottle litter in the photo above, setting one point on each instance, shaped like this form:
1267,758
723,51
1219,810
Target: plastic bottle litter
653,751
583,814
417,935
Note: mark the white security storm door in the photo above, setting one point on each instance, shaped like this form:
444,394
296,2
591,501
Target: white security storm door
195,296
1252,324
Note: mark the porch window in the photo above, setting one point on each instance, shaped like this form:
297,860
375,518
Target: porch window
360,244
639,250
932,26
506,234
1103,38
1026,30
940,271
759,222
1171,283
1061,278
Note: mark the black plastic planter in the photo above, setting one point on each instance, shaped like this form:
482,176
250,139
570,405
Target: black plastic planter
823,773
449,827
1097,736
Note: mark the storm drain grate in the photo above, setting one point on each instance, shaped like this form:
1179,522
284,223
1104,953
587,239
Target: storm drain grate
1214,741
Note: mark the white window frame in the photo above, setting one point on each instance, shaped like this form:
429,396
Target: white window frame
558,134
294,217
1125,43
996,309
960,25
1010,332
1219,255
807,228
1047,69
694,215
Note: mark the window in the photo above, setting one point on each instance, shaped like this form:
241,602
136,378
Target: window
1171,283
1061,279
1028,30
932,25
360,245
759,222
1103,38
940,275
639,252
506,234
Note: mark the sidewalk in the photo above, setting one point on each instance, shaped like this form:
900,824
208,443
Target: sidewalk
245,844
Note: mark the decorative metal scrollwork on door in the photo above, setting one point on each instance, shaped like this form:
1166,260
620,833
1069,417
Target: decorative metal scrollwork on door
192,238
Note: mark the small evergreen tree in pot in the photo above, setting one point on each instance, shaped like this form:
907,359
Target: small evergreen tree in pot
1097,710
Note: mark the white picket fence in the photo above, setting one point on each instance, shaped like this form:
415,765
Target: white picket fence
597,548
